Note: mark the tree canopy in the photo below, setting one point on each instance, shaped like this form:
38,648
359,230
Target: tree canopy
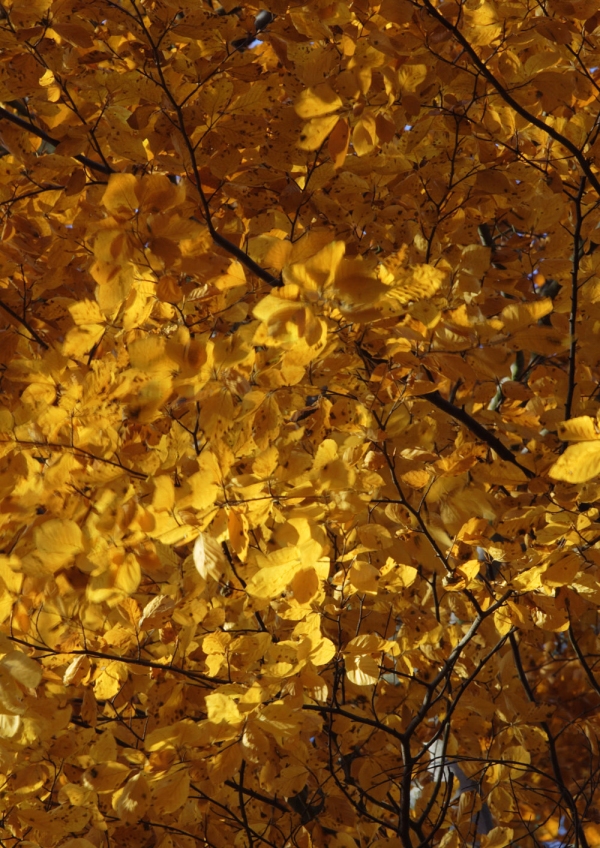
299,424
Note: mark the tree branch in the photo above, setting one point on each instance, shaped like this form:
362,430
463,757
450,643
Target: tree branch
76,450
100,655
574,297
273,802
24,323
519,666
196,179
509,99
477,429
26,125
588,671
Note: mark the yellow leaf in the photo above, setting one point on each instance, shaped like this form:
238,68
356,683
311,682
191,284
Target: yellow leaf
364,577
171,792
563,572
280,718
448,840
109,680
519,758
362,670
529,579
24,669
581,429
78,842
367,644
470,569
578,464
224,765
356,285
317,273
186,732
417,283
518,315
128,575
318,101
322,650
86,312
156,192
498,837
120,197
337,146
397,575
500,802
60,820
10,725
592,833
364,135
547,615
131,802
222,708
57,542
80,340
237,526
156,612
209,558
374,537
410,77
105,777
316,131
76,671
235,277
271,581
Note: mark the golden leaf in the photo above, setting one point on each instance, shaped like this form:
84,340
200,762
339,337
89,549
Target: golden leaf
362,670
171,792
337,144
24,669
271,581
318,101
564,571
581,429
410,77
209,558
106,777
316,131
57,542
131,802
578,464
415,284
222,708
109,680
498,837
120,197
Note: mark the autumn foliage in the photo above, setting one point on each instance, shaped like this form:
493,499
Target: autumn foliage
299,424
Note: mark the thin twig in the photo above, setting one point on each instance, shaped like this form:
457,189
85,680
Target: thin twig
477,429
58,446
588,671
483,69
24,323
519,666
574,295
196,179
100,655
27,125
242,804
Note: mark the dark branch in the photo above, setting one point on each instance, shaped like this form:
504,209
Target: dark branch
584,663
509,99
24,323
574,297
27,125
477,429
